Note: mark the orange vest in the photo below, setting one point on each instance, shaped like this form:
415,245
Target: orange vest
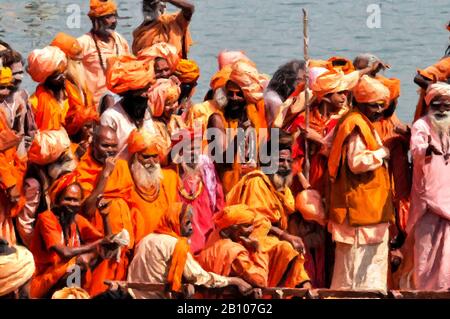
365,198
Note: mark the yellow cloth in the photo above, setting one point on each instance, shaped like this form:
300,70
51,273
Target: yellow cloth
6,77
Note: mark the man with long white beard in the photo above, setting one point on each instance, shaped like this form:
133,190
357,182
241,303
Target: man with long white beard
154,188
198,185
429,221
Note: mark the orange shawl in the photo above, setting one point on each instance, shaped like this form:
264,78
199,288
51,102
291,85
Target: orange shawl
170,225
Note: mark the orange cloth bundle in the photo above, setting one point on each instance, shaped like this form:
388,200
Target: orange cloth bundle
309,204
71,293
44,62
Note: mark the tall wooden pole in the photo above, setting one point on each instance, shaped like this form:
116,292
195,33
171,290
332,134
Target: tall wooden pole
306,165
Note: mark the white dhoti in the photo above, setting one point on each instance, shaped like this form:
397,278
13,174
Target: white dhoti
361,266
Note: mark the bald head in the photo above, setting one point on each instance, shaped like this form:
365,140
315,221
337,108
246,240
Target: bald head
105,143
364,60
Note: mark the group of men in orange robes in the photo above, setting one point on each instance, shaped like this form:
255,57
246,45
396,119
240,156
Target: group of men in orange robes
109,171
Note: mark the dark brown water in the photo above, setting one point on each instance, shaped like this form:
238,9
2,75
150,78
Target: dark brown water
411,34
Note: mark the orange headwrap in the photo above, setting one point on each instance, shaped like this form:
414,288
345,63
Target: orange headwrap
187,71
162,50
164,91
334,81
44,62
234,215
128,73
75,119
369,90
393,84
171,225
6,78
71,293
346,67
221,78
251,82
61,184
68,44
100,8
146,143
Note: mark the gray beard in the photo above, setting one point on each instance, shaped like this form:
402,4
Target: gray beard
441,125
146,177
280,181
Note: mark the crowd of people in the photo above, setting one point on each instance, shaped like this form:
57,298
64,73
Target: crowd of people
308,179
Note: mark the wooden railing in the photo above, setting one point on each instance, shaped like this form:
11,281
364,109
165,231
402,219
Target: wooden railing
283,293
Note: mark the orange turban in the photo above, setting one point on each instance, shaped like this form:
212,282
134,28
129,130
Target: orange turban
44,62
128,73
164,91
187,71
68,44
162,50
369,90
61,184
234,215
6,77
251,82
171,225
100,8
334,81
146,143
343,64
221,78
392,84
76,118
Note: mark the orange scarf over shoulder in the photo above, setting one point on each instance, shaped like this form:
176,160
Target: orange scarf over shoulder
170,225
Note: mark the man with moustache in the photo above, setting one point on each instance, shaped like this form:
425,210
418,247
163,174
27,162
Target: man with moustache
360,201
102,174
99,44
268,193
429,221
154,188
61,238
130,77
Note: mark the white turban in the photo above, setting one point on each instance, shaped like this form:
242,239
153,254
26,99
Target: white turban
15,269
437,89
